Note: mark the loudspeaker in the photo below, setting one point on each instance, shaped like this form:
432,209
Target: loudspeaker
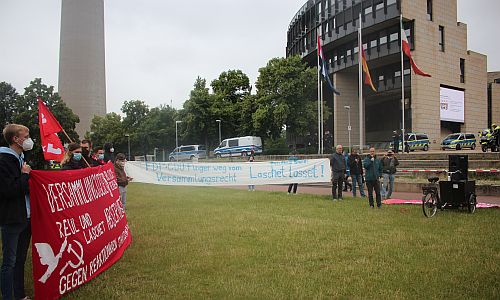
459,162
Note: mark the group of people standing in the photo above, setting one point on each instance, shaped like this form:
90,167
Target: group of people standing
15,213
369,170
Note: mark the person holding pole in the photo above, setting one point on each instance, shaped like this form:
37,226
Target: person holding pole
14,210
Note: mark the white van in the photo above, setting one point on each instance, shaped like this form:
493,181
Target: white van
239,146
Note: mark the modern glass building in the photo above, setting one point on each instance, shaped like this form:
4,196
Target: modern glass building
454,99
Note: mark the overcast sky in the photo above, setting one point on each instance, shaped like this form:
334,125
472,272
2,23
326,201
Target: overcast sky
155,49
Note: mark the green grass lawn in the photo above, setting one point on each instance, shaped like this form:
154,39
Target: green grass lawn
226,243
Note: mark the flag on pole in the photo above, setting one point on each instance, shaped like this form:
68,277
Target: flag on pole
324,68
49,127
366,70
407,52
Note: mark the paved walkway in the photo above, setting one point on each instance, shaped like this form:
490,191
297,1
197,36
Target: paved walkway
326,190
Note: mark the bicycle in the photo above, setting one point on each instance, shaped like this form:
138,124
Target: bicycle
431,200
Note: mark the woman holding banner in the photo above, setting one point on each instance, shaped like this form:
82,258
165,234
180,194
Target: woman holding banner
73,159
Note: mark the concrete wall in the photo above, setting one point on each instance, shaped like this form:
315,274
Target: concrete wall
82,78
444,68
347,83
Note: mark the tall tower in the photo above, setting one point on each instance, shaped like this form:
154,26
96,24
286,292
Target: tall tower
82,77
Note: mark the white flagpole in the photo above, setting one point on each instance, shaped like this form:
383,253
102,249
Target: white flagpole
319,97
402,83
360,80
322,120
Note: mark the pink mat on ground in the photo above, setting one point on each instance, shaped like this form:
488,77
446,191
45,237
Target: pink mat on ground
419,202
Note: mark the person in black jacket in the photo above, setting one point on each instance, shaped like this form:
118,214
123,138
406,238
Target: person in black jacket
73,159
356,168
338,168
14,210
109,152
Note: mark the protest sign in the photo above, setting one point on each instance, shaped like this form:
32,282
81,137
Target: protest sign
79,228
225,174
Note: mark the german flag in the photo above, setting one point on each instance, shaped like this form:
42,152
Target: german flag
368,77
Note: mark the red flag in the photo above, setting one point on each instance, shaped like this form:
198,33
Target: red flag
407,51
48,123
49,127
52,147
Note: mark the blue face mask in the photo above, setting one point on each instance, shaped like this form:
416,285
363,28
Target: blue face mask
100,157
77,156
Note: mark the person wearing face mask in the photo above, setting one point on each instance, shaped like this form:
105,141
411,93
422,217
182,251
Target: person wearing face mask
389,164
98,157
121,177
73,159
373,172
14,210
109,152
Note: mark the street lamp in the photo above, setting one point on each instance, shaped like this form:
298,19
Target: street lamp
176,138
348,107
220,140
128,136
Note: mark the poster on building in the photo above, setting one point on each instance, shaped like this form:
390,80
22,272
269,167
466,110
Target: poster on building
452,105
79,228
229,174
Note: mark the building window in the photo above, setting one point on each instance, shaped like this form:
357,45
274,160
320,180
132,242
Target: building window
429,10
383,40
462,70
441,38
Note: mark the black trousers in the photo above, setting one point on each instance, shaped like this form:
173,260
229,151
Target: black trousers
374,185
337,185
23,245
294,186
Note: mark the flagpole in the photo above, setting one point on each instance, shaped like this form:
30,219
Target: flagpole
319,98
402,83
360,83
321,120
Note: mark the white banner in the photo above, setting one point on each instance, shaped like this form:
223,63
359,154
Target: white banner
223,174
452,105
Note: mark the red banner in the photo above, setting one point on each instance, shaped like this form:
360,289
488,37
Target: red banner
79,227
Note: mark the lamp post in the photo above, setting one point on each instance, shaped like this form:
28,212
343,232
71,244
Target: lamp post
176,138
220,140
128,137
348,107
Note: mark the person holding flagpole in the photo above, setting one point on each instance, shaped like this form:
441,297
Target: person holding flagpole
14,210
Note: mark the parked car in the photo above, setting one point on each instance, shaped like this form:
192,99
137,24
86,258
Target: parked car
414,141
239,146
189,152
459,141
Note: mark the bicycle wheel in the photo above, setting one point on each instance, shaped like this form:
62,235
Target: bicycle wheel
472,203
429,205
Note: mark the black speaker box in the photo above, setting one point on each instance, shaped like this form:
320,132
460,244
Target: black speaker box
459,162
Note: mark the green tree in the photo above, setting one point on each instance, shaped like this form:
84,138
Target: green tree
8,96
286,93
230,91
108,129
135,112
159,126
26,109
197,116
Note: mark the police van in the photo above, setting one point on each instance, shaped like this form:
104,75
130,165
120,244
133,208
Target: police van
239,146
414,141
188,152
459,141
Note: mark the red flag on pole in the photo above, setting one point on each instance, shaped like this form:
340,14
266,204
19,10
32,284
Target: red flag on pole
49,127
407,52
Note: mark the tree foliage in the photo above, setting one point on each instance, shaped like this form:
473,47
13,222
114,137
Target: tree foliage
8,96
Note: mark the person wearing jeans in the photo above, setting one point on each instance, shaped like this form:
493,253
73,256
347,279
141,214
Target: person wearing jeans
389,164
14,210
356,167
373,171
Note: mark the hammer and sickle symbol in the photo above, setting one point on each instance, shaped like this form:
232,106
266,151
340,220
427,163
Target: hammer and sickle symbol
78,255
